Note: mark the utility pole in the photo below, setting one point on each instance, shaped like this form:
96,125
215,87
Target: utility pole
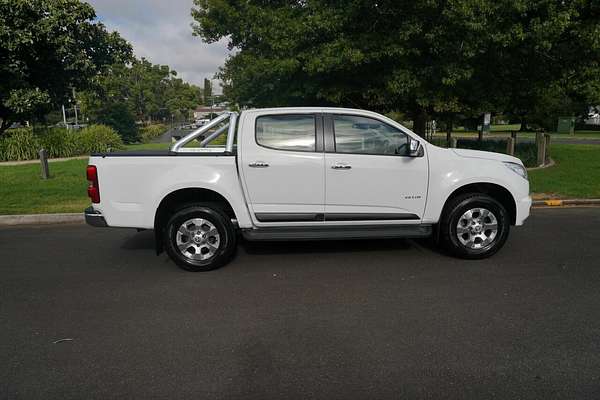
64,117
75,107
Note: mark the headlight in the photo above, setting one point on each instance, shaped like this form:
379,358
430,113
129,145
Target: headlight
517,168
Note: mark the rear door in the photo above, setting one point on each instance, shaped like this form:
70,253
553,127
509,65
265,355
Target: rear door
282,164
369,176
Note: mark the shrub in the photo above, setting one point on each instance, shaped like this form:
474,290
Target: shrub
24,144
58,142
527,152
497,146
147,133
19,144
98,138
120,118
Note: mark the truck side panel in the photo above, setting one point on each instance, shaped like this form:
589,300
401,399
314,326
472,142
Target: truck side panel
131,188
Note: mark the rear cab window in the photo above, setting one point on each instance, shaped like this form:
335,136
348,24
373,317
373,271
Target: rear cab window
289,132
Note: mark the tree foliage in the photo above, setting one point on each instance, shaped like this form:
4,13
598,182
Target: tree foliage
145,90
48,47
427,58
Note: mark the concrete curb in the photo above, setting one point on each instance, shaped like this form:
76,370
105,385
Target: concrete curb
567,202
41,219
549,164
37,161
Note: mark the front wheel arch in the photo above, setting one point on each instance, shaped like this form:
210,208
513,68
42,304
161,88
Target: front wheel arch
495,191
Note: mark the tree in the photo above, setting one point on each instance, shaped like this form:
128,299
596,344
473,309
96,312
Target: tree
47,48
550,57
119,117
181,97
427,58
147,91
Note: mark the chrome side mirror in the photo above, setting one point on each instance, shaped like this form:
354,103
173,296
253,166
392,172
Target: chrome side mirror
414,148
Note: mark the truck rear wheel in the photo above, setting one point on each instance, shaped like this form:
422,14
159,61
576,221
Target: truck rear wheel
200,238
474,226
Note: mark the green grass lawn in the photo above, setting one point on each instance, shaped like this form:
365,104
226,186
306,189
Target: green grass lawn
148,146
23,192
576,174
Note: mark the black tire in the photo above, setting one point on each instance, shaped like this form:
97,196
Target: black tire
451,216
215,216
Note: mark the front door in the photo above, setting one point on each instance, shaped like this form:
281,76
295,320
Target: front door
282,166
368,174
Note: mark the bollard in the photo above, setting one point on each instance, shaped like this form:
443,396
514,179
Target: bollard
510,146
547,146
453,142
540,142
44,161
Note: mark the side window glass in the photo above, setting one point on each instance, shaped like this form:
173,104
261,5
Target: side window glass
286,132
360,135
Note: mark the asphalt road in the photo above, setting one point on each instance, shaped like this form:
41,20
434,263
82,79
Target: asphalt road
331,320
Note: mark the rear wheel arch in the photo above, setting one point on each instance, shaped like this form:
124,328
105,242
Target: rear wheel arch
177,199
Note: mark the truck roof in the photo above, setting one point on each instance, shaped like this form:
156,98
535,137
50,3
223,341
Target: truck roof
309,109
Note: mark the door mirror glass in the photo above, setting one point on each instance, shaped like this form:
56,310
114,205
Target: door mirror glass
414,149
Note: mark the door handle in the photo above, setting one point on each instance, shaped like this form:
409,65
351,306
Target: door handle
258,164
341,166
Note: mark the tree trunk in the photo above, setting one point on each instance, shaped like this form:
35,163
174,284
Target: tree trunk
4,124
523,124
449,132
420,123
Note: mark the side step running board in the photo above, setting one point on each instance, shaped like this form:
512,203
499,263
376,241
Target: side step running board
338,232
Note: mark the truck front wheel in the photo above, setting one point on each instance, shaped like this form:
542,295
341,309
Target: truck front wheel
474,226
199,238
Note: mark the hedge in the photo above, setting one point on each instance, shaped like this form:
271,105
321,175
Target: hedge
149,132
25,143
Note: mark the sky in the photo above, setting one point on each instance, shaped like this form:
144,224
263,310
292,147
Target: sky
160,31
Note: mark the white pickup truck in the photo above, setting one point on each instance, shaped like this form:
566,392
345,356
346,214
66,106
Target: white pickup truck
307,174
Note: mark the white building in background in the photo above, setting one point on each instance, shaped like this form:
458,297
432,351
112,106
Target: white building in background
594,116
202,112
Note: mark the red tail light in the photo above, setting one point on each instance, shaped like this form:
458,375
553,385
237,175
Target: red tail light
93,188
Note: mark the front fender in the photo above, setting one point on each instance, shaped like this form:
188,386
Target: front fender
457,172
